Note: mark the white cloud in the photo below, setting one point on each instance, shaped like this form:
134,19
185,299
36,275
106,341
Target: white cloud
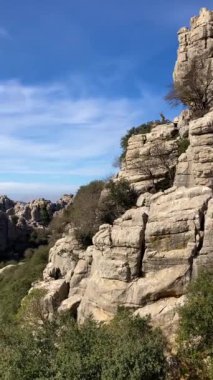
47,135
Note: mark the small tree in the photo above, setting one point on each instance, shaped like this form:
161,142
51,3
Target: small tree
121,196
195,90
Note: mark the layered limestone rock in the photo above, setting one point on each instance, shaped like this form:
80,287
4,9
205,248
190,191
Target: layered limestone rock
205,259
195,167
144,261
18,220
150,158
174,233
194,42
63,256
64,278
173,237
41,211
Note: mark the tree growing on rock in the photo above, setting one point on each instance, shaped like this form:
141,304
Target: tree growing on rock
195,90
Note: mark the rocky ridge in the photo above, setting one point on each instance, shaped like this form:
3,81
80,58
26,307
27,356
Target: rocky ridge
194,42
18,220
145,260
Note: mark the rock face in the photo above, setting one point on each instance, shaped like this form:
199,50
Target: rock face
195,167
194,42
143,261
18,219
40,211
174,232
205,259
150,158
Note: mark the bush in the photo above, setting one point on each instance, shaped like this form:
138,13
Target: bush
59,222
121,196
84,209
126,348
183,144
89,210
44,216
196,326
16,281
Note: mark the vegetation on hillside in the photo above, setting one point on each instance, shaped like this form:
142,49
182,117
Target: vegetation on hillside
16,281
127,348
90,209
183,144
196,330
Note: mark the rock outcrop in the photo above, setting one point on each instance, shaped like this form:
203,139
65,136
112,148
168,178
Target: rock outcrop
195,166
151,158
143,261
18,220
195,42
147,257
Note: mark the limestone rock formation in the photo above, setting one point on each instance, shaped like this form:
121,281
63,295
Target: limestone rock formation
205,259
41,211
143,261
150,158
18,219
174,232
147,257
195,167
6,203
194,42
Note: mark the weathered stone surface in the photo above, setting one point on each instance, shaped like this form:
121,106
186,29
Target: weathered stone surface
182,122
115,271
18,220
63,256
70,304
195,167
150,158
40,211
174,230
164,314
205,258
55,291
144,200
194,42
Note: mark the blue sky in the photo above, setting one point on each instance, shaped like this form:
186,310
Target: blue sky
74,76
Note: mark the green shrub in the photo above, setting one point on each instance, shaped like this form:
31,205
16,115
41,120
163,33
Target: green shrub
58,223
126,348
44,216
121,196
183,144
81,214
16,281
196,330
84,209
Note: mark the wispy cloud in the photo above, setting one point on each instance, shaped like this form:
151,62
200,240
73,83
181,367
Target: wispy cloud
51,138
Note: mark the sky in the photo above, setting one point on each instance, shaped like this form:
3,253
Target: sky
75,75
